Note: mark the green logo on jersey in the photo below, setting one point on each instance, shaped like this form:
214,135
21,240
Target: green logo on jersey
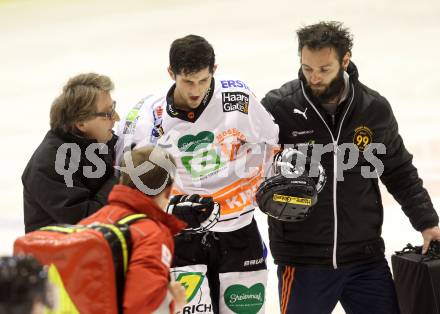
190,143
242,300
191,282
202,161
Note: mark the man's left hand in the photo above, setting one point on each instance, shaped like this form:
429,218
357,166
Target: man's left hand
430,234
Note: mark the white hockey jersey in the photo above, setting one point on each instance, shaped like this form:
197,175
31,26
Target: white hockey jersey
220,147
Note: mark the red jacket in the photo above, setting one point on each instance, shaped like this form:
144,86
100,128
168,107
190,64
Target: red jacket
146,286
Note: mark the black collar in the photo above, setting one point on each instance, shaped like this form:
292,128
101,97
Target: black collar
191,115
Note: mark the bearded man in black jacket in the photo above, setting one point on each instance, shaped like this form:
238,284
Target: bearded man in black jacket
337,253
71,173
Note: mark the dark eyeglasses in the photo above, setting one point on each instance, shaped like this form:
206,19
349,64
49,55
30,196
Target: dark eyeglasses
108,114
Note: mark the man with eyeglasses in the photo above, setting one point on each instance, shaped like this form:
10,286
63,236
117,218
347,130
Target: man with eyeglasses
71,173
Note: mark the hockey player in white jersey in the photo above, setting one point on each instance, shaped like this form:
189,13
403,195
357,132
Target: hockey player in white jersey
219,134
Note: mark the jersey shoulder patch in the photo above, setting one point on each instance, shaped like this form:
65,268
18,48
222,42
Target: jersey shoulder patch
235,95
132,116
233,84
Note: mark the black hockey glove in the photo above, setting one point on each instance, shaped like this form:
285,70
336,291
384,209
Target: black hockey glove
200,213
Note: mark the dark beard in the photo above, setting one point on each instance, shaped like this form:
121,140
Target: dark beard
334,89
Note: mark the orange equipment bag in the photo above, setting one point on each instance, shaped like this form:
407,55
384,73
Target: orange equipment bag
87,264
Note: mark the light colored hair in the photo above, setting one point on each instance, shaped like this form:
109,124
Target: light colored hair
160,175
77,101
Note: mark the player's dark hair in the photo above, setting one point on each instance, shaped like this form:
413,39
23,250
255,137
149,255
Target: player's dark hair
326,34
191,54
23,282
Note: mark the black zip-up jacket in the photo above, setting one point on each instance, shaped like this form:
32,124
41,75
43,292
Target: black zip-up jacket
345,225
48,199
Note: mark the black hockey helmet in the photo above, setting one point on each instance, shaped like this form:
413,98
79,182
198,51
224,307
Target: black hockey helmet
290,193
